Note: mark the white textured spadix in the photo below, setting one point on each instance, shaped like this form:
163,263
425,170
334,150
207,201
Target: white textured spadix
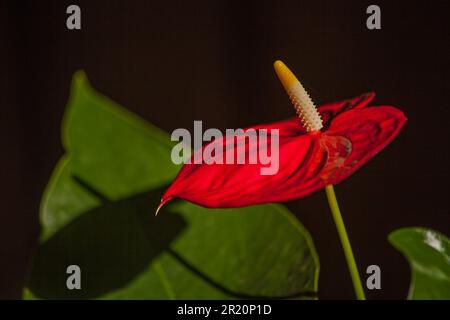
305,108
303,104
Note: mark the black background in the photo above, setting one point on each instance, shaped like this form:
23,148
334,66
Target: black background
175,62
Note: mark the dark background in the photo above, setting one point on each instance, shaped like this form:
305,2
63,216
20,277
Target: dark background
175,62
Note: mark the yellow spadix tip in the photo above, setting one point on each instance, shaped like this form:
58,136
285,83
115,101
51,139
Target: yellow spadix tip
285,75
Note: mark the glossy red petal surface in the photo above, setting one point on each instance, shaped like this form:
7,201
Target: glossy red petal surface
369,130
307,161
330,110
234,185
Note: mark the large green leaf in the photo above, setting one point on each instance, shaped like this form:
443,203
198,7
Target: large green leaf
98,212
428,253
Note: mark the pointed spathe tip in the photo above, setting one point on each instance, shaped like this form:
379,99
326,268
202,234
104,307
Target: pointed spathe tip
159,208
164,200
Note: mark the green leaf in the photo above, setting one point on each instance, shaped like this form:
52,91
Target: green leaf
98,213
428,253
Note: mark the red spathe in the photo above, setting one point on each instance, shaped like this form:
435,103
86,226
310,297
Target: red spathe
352,134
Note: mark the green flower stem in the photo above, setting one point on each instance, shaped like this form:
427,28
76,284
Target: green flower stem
351,263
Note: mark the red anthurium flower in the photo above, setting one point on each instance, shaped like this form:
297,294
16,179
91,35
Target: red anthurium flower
323,147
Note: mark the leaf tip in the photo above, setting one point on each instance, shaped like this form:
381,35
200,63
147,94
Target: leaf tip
80,80
80,76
